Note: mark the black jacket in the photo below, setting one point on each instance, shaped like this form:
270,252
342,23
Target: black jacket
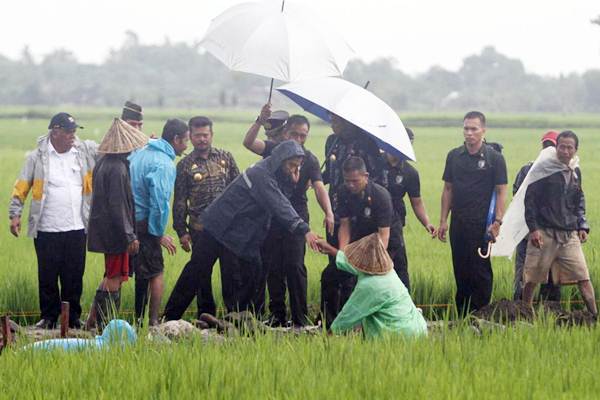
112,215
240,218
551,203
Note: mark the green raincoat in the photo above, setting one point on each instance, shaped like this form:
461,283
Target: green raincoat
380,303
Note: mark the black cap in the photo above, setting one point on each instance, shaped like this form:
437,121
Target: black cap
64,121
276,122
132,112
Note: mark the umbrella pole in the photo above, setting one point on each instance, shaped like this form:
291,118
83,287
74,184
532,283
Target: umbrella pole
270,90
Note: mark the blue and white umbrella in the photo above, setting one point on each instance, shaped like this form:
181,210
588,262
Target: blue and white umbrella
330,95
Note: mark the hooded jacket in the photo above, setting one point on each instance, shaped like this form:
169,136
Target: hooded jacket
33,177
152,179
240,218
111,226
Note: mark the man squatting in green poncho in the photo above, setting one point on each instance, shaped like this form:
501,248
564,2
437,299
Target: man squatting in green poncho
380,302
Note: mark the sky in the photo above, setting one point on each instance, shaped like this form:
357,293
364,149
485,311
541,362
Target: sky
551,37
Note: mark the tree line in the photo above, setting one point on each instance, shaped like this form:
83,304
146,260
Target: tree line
182,75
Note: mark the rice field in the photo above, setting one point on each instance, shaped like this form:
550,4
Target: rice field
523,362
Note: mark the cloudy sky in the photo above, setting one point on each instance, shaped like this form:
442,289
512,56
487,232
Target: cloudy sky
550,36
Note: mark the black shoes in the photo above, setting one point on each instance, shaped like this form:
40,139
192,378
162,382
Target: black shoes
45,324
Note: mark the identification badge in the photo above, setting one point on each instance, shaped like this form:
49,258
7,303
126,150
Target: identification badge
481,164
399,179
367,212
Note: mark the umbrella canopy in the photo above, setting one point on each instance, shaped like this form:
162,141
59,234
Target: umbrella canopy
323,96
282,41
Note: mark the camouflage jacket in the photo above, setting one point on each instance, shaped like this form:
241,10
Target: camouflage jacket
199,181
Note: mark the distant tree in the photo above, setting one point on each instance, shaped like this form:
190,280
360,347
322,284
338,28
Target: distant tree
176,74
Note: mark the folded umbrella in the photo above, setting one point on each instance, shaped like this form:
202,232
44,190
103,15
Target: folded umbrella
330,95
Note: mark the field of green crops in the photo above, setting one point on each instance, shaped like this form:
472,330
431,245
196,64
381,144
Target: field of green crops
532,362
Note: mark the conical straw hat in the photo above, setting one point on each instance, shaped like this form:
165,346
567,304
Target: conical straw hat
122,138
369,256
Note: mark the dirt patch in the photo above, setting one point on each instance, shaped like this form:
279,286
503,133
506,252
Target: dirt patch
505,311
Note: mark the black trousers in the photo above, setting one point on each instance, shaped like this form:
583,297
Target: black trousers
473,274
336,286
61,258
397,251
283,265
238,278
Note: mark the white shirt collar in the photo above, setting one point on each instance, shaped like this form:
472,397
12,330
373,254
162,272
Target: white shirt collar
51,148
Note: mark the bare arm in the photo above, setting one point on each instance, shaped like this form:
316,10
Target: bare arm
344,233
325,203
418,206
384,235
251,140
494,228
445,210
501,192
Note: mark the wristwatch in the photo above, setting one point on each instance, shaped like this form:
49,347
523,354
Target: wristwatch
499,221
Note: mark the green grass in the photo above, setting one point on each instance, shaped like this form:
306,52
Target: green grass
522,363
531,362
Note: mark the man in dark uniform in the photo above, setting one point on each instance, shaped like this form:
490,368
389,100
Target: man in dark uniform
548,291
472,173
283,254
201,177
346,141
400,178
364,207
238,222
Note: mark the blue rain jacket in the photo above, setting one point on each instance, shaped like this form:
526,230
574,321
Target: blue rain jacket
152,179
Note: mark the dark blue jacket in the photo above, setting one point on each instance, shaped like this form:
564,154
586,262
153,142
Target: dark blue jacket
241,216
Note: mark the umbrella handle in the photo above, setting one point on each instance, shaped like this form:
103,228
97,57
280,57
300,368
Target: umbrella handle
487,253
270,90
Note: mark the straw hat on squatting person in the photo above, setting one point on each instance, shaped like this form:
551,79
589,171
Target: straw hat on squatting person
122,138
379,303
368,255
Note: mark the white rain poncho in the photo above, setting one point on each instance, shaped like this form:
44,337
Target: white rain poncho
514,228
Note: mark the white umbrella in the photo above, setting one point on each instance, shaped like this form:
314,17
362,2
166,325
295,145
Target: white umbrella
284,41
323,96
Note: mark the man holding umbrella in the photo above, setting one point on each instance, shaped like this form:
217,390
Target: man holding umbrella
472,173
346,141
283,254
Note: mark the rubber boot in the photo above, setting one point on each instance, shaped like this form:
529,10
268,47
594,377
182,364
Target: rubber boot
107,306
